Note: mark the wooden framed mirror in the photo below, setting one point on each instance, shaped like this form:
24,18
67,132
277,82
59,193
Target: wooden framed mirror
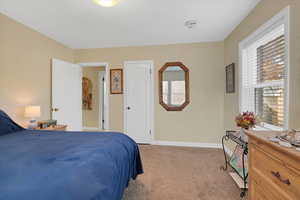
174,90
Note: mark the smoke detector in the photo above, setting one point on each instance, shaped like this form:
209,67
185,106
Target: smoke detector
190,24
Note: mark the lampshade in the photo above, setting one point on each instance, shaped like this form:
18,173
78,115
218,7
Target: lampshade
32,111
106,3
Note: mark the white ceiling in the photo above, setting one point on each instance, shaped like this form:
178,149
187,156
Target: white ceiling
83,24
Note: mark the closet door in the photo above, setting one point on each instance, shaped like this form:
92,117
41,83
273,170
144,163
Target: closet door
138,98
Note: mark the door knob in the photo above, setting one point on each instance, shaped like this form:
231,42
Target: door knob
54,109
128,108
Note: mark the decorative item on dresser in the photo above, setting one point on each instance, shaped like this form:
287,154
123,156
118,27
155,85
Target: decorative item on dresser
274,170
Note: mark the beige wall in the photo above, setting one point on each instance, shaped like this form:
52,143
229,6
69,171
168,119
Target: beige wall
90,118
25,75
25,78
264,11
202,119
25,60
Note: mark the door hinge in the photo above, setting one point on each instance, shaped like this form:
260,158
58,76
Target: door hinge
150,71
103,121
150,132
103,79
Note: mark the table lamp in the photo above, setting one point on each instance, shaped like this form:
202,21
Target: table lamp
32,112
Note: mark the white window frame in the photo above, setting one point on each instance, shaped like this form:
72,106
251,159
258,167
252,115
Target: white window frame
283,17
169,94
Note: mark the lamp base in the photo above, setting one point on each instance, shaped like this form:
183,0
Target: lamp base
32,124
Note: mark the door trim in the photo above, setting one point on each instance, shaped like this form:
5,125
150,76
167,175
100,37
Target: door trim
106,65
150,62
101,75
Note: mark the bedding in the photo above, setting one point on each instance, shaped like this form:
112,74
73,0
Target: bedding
7,125
52,165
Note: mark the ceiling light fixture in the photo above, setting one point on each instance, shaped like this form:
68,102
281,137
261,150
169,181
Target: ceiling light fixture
107,3
190,24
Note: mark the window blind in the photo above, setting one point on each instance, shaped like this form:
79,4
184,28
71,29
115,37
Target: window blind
269,105
270,60
264,76
174,92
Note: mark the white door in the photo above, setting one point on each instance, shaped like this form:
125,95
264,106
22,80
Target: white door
138,96
67,94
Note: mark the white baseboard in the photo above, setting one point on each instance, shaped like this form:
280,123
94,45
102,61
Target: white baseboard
91,128
188,144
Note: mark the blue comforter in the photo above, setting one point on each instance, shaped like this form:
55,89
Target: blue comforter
48,165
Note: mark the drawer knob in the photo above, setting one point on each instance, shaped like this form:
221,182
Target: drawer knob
278,176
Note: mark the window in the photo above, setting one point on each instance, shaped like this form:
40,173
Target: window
264,73
176,96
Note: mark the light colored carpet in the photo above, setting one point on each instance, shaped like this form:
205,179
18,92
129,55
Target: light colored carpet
179,173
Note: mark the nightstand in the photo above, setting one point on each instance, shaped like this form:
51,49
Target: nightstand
54,128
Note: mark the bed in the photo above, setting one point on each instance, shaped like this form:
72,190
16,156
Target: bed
58,165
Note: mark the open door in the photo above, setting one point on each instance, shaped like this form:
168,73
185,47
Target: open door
67,94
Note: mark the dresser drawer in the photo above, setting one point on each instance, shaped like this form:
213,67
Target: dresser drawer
274,170
280,155
256,192
264,188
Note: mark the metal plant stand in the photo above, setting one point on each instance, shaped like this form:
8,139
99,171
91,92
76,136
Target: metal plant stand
231,135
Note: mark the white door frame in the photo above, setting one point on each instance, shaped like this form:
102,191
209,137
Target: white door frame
101,75
106,95
151,95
